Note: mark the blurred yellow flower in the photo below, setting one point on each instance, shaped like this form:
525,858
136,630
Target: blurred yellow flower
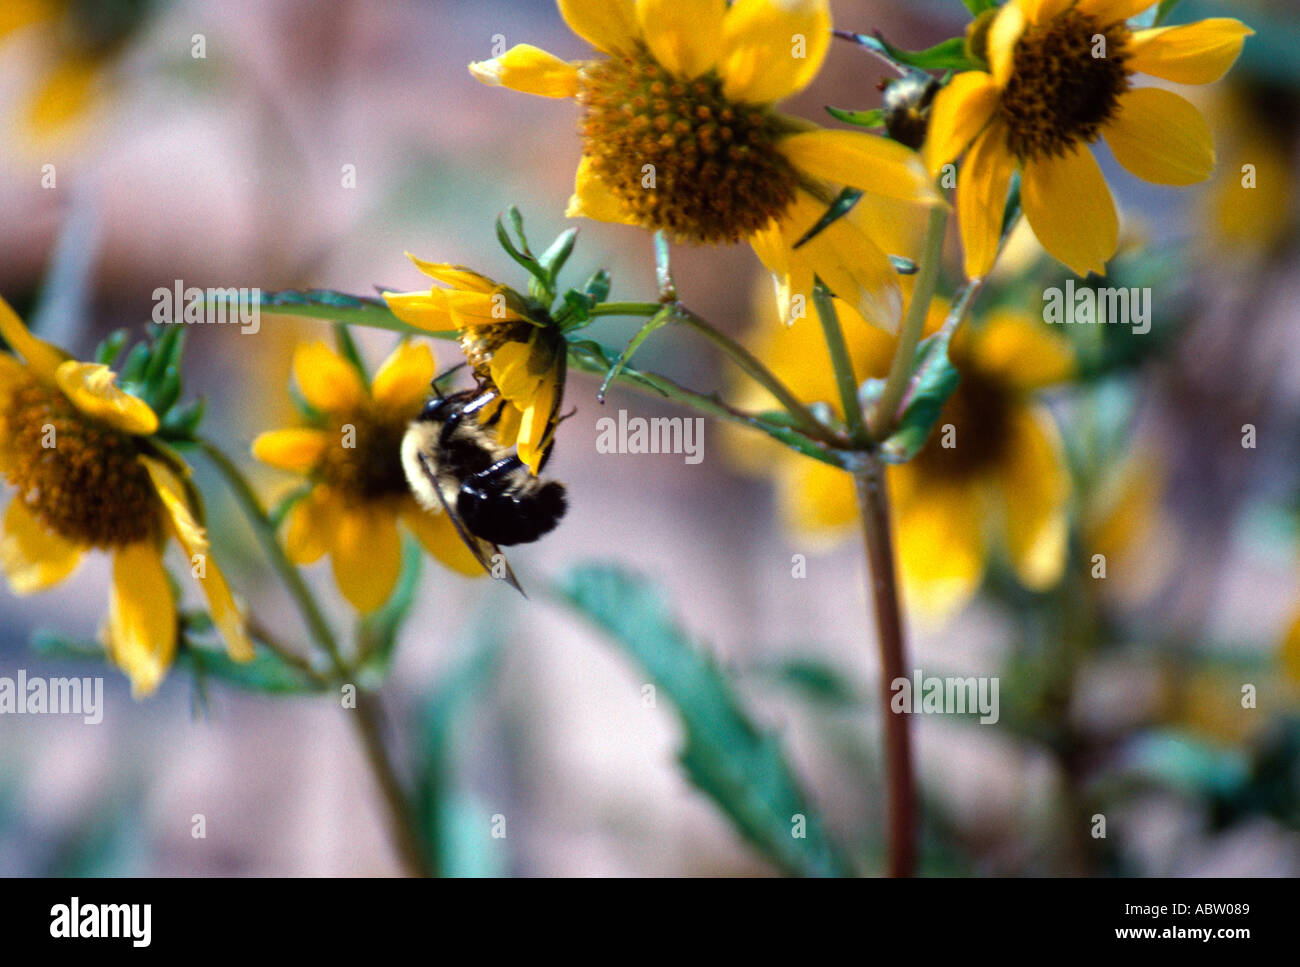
680,134
88,477
993,473
511,344
1059,77
351,453
75,42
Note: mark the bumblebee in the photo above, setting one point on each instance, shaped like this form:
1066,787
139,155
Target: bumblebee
455,464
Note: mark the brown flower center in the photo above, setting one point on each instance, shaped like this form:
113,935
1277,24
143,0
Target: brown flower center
679,155
82,480
364,462
973,431
1066,82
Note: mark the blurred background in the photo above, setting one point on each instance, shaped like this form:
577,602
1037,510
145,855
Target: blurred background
1120,697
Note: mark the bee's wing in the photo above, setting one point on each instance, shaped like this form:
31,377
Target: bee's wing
482,550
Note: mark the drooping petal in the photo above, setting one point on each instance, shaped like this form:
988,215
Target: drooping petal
535,425
328,381
367,556
92,388
1161,137
959,113
438,535
299,449
593,199
141,629
1070,209
1196,53
1004,33
312,524
772,49
608,25
42,358
1113,11
456,276
403,380
425,310
941,549
1021,352
1036,489
859,160
530,70
682,36
982,184
33,557
513,372
225,613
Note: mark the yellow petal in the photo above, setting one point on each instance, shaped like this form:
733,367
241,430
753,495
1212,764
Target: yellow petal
313,522
860,160
1113,11
64,96
508,424
328,382
92,389
514,374
941,550
1161,137
1197,53
772,49
456,276
141,631
192,537
1070,210
402,382
960,111
16,14
982,186
470,309
1021,352
528,69
41,357
1004,33
367,556
817,501
593,199
32,557
438,535
608,25
1291,651
1036,11
535,426
682,36
1036,489
425,310
299,449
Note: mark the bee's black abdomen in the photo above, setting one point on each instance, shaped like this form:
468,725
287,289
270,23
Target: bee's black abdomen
503,516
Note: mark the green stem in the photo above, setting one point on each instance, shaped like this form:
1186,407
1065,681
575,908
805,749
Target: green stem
366,717
625,309
842,364
884,415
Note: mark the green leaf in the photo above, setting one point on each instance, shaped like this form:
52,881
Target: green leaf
1165,9
347,347
654,323
841,206
554,258
977,7
182,422
726,755
525,258
333,306
870,118
816,680
266,673
379,630
933,381
951,54
597,287
107,351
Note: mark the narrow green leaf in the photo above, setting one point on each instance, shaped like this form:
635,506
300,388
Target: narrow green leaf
841,206
870,118
107,351
265,673
977,7
951,54
526,260
653,324
348,350
597,287
726,755
555,257
933,381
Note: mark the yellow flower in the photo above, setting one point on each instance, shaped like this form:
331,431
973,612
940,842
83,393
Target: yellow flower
78,450
680,134
74,49
351,453
511,344
1002,483
1060,76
